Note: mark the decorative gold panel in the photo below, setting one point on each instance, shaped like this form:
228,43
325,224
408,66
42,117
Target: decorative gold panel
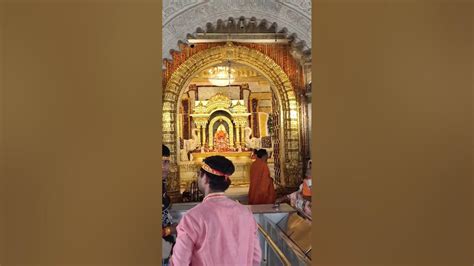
239,108
218,101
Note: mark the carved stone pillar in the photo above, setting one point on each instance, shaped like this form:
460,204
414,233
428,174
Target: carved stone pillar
199,134
237,135
203,126
242,136
255,119
201,123
186,119
244,125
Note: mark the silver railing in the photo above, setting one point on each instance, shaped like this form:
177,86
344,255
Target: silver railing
270,244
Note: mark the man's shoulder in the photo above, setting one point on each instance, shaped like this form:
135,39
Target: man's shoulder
195,210
198,211
203,208
243,209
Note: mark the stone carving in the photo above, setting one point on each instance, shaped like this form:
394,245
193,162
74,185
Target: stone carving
182,17
252,143
258,143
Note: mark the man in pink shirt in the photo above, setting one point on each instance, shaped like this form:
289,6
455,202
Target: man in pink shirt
219,231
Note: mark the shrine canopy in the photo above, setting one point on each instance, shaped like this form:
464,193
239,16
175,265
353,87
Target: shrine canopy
221,116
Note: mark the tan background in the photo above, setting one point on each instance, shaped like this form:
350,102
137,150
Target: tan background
82,130
393,132
3,179
80,124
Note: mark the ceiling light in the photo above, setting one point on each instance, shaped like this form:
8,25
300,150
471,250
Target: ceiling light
222,75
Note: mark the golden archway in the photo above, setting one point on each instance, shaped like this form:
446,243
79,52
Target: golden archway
290,142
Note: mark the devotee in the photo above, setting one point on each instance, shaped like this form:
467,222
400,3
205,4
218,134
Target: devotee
168,229
307,183
253,156
218,231
301,199
261,188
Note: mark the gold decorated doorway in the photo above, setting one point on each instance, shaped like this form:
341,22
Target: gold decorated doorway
289,141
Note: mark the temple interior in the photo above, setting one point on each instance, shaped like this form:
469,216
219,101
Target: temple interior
83,85
235,83
230,119
231,94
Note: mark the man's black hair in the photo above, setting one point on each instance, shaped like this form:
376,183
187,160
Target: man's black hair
219,183
262,152
165,151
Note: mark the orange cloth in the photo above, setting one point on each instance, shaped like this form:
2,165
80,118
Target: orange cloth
306,190
261,190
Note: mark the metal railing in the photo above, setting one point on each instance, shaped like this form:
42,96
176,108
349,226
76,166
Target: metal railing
273,246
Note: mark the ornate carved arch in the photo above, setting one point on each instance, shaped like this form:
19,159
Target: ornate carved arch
290,143
181,17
